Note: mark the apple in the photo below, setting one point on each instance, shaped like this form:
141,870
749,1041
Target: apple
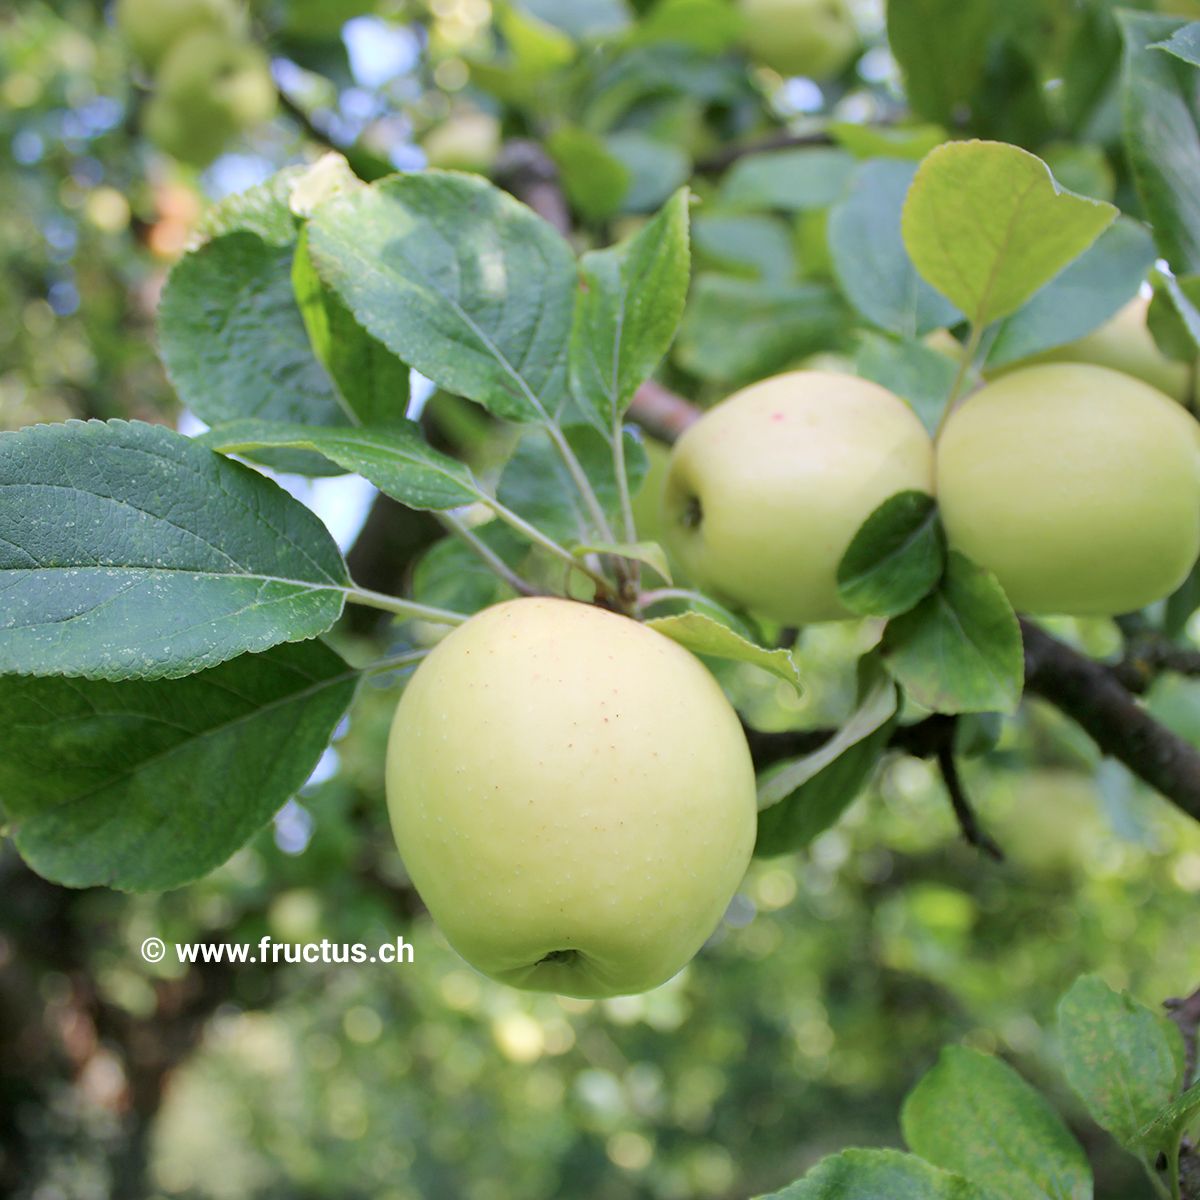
647,501
572,796
813,38
1124,343
466,141
152,27
210,87
1078,486
766,490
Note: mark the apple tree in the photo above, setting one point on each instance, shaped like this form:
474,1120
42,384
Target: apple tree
700,335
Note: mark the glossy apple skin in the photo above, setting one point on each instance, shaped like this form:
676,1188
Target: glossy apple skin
1078,486
565,782
767,489
813,38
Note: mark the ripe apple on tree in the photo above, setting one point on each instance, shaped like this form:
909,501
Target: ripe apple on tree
813,38
766,490
1078,486
152,27
572,795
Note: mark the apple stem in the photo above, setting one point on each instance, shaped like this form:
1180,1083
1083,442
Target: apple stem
964,365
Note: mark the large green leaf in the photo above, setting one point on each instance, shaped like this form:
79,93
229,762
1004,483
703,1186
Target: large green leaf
1124,1061
395,458
1184,44
877,1175
869,260
1098,283
1162,137
372,381
960,649
234,343
987,225
941,46
974,1114
757,245
894,559
458,279
264,210
630,301
144,785
737,330
127,550
595,181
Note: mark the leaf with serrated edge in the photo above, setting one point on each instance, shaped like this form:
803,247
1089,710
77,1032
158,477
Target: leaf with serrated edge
1123,1060
628,308
127,550
703,634
894,559
960,649
878,1175
649,553
396,459
974,1114
987,225
459,280
145,785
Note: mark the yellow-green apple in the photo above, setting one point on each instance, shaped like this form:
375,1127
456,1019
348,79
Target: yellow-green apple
152,27
766,490
1078,486
1124,343
212,87
465,141
814,38
572,796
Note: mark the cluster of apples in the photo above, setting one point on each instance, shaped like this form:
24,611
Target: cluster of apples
1077,485
210,80
572,793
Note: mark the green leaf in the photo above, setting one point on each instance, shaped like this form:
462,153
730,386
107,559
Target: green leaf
127,550
755,245
787,180
876,709
396,458
581,19
1162,137
234,343
1184,44
941,47
264,210
656,168
869,260
372,381
537,47
894,559
536,484
777,325
912,370
629,305
145,785
595,181
1172,1122
987,225
1081,298
876,1175
704,634
1174,316
649,553
1124,1061
460,280
960,649
974,1114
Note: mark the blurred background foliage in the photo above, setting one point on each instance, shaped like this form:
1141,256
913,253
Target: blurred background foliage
838,973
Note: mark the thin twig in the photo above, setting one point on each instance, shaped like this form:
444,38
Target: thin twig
973,833
494,562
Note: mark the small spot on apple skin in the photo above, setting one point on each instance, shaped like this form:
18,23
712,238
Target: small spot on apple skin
778,416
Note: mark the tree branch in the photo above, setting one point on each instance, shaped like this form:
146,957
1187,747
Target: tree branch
973,833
